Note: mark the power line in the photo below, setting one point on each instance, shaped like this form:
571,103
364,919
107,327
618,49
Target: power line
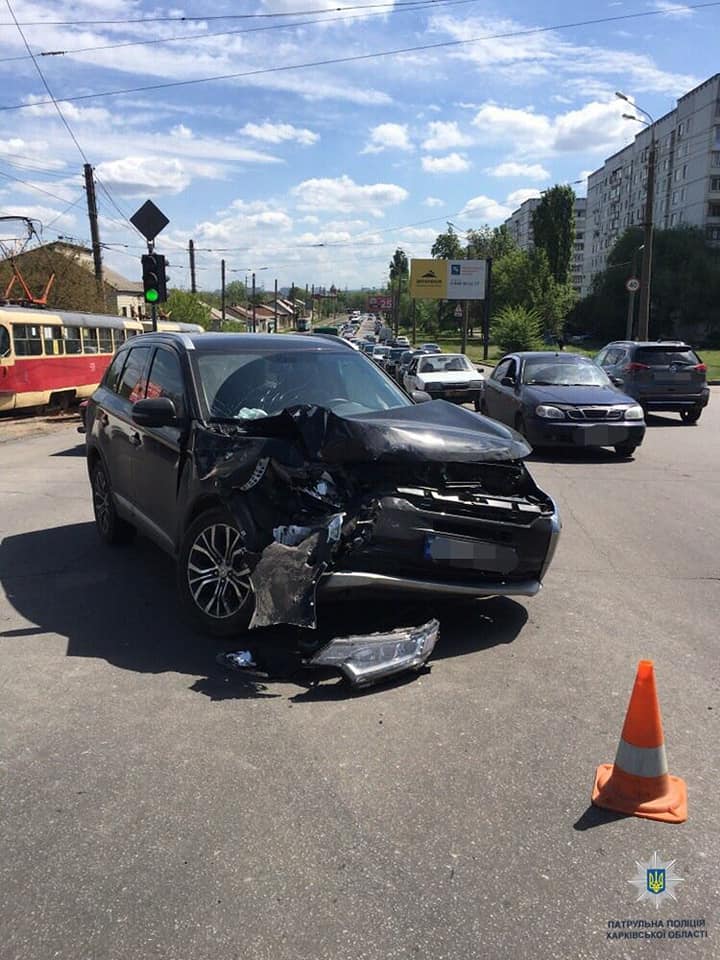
410,8
33,186
229,16
358,58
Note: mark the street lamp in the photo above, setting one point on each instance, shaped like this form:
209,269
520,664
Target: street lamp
646,268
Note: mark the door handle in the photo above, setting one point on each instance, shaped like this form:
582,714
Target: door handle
135,439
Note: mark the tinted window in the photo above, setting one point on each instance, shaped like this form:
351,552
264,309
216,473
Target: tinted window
27,340
112,377
118,338
251,385
53,340
166,379
73,343
664,356
4,342
501,370
105,338
132,384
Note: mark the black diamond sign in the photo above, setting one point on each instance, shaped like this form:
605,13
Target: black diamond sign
149,220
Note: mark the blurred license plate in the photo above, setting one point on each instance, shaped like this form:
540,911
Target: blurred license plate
672,377
456,393
475,554
597,435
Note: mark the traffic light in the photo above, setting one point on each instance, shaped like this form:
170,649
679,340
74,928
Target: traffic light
154,279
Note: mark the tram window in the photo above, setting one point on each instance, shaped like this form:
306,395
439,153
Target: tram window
27,340
73,343
105,338
54,343
4,342
89,338
118,338
132,385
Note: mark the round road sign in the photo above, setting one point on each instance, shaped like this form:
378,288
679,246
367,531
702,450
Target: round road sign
632,285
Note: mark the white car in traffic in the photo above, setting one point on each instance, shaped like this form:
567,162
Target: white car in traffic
446,376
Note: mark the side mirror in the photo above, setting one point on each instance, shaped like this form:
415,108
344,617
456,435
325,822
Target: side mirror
420,396
617,381
155,412
507,382
480,369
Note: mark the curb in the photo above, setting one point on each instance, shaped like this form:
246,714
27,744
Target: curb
713,383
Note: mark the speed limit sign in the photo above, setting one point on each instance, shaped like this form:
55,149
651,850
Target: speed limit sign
632,285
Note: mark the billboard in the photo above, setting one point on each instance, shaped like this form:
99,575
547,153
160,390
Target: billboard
448,279
380,302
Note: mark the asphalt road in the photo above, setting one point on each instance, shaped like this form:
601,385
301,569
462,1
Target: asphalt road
155,806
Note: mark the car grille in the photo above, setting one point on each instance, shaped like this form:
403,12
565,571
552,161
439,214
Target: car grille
594,413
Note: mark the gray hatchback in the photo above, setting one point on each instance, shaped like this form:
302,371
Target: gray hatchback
662,375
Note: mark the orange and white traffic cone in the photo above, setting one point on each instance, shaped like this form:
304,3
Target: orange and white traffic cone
638,783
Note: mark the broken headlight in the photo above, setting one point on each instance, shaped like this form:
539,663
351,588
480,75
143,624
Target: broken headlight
365,659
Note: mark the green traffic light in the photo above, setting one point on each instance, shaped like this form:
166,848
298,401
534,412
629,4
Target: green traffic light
152,296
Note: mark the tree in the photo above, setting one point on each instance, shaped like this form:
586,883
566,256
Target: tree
489,243
447,246
523,279
517,328
398,270
553,223
185,307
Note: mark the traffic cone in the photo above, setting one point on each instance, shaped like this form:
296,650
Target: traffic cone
638,783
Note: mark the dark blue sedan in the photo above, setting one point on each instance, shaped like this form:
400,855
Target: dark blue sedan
563,399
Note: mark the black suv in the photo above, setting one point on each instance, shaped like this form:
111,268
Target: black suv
269,466
660,375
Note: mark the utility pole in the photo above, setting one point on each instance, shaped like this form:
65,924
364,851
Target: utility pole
191,250
486,311
94,232
253,303
275,329
646,268
222,291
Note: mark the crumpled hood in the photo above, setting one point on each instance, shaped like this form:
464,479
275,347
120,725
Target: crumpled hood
435,431
576,395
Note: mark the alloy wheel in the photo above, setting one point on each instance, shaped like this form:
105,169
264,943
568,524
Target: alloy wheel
217,574
101,500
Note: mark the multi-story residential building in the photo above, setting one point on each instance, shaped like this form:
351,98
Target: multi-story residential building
520,228
687,178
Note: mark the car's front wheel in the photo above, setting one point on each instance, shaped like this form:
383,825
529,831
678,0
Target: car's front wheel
625,449
690,416
214,577
478,403
111,527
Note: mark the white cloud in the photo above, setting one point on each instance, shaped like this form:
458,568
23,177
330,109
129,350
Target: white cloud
388,136
181,131
518,197
486,210
444,135
433,202
343,195
678,11
138,175
279,133
510,168
452,163
596,127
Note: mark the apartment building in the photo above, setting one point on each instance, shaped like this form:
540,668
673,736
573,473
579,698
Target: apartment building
519,226
687,178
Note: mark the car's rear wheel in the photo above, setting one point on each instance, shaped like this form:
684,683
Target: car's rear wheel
111,527
214,577
690,416
625,449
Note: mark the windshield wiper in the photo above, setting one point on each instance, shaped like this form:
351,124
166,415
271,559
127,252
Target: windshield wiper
543,383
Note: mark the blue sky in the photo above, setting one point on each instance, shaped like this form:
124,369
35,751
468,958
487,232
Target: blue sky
318,174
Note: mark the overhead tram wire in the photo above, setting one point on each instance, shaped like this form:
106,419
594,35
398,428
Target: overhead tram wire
360,58
228,16
413,8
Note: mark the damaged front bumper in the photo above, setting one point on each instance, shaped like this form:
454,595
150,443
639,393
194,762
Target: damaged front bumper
365,660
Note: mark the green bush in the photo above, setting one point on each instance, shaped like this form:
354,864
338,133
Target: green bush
517,328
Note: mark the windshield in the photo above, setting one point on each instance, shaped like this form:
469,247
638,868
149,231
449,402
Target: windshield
247,386
564,373
446,363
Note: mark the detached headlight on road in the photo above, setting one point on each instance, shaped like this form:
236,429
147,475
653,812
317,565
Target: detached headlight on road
365,659
634,413
549,413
